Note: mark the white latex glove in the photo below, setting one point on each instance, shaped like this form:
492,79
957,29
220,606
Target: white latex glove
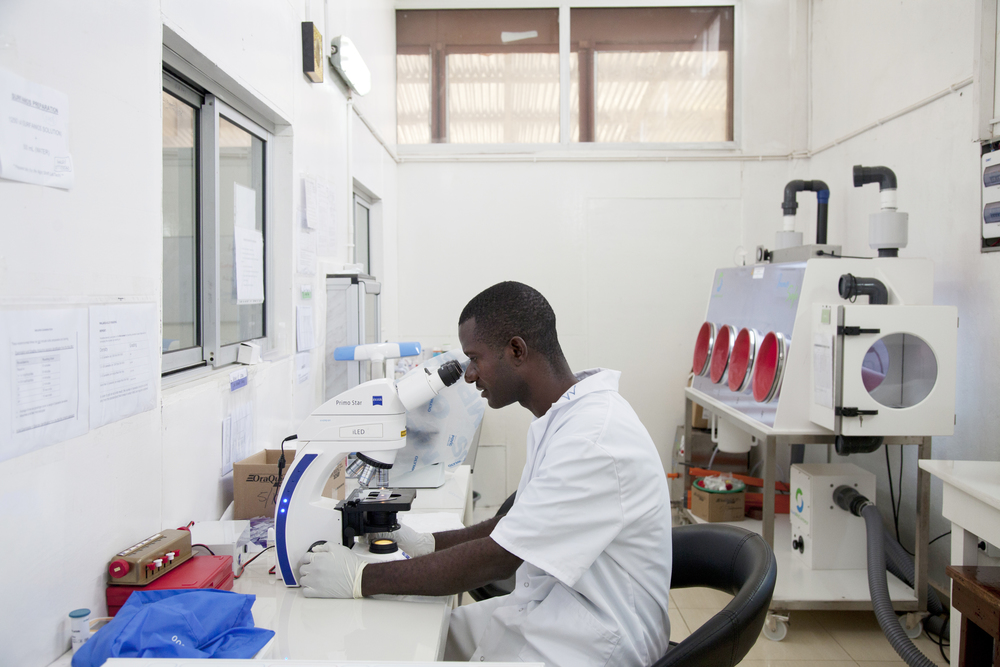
331,571
409,540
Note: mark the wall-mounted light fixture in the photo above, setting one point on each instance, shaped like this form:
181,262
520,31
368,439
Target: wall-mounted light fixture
346,59
312,52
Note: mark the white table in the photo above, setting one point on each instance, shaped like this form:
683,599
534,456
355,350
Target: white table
311,628
411,629
322,629
971,501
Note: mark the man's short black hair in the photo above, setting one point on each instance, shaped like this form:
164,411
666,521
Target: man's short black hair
511,309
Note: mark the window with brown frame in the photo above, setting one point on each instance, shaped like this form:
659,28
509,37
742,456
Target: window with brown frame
480,76
638,75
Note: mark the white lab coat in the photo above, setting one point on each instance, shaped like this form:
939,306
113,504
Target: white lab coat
592,525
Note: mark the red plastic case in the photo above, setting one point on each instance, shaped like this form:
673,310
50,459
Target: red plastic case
198,572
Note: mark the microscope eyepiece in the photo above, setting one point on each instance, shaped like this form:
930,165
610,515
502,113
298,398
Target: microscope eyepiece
450,372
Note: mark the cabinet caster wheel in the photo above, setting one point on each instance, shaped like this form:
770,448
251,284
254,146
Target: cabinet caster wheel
775,627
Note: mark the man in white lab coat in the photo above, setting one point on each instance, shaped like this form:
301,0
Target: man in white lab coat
588,535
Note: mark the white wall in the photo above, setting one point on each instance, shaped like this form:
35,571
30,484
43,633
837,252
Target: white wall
70,506
937,165
624,251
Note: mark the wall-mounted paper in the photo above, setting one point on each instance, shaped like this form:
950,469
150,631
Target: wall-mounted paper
311,205
43,378
237,436
328,228
244,206
307,253
249,248
823,370
124,361
34,133
302,361
304,336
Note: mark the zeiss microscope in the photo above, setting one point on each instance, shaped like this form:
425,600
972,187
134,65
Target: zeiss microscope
369,419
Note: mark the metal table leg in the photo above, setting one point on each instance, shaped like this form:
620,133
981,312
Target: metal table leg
922,552
770,455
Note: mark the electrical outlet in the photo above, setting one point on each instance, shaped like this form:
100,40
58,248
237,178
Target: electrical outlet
990,550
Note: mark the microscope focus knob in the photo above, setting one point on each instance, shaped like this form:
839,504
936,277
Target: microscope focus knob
798,544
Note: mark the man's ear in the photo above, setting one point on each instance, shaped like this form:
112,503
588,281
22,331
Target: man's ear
518,350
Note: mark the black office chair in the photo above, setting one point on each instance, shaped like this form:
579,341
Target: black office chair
728,559
504,586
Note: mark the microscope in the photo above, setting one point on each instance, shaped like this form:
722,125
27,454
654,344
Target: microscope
369,419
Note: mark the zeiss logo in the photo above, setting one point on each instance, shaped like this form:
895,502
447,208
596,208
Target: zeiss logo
376,400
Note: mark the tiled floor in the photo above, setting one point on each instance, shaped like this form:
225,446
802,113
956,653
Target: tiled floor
817,638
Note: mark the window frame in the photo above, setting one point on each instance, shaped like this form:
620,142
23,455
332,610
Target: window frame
211,351
565,145
361,200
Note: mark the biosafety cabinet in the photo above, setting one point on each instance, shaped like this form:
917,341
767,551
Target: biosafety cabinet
808,347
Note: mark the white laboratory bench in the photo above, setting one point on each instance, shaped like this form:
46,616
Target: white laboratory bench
412,629
971,501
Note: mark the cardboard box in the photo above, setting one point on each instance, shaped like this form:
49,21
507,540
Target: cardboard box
698,416
254,492
714,507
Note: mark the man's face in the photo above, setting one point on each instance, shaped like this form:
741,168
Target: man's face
489,368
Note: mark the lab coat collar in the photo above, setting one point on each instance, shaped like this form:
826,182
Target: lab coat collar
588,382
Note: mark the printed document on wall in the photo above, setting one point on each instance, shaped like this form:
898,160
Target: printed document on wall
249,247
244,206
310,193
305,339
306,264
124,361
43,378
34,133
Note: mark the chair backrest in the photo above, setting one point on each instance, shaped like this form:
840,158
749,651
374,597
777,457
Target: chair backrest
728,559
504,586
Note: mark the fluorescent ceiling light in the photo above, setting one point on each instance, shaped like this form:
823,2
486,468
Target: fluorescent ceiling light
346,59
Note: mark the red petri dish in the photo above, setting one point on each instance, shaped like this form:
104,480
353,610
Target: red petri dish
769,367
741,359
720,354
703,349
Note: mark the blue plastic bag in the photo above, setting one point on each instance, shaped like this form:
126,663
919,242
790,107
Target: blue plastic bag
202,623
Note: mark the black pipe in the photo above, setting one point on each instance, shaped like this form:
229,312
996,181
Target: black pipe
822,190
851,286
857,444
884,176
822,199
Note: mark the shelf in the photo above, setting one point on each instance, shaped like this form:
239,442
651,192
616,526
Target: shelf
799,587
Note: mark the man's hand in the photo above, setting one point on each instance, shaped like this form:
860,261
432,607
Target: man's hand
331,571
409,540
